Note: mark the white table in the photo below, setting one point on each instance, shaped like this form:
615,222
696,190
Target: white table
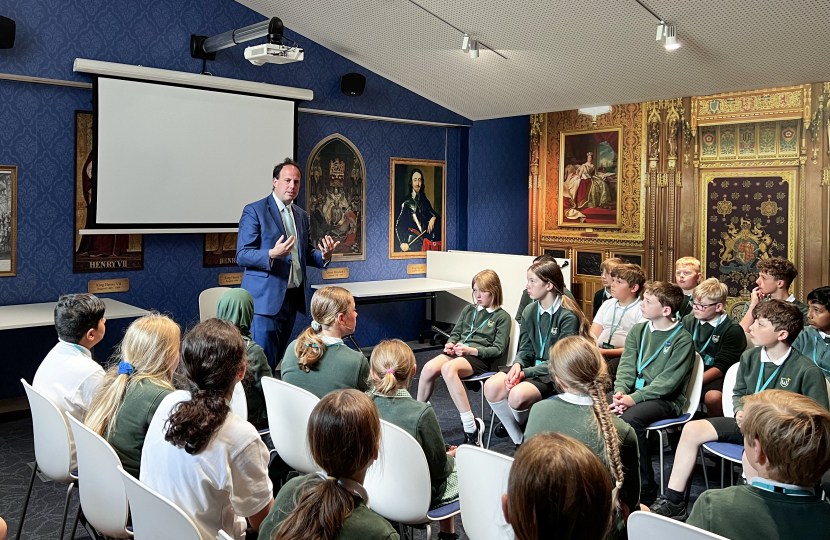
397,290
31,315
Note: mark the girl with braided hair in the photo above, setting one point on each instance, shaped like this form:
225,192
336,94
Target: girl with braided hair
581,411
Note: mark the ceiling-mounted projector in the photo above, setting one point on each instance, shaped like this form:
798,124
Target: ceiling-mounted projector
273,53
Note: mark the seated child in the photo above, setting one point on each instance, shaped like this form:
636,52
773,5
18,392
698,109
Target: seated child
237,307
318,360
343,436
548,319
605,275
480,337
208,461
786,448
68,375
616,317
654,372
582,413
814,341
719,340
525,300
775,275
134,387
393,366
687,273
558,489
772,364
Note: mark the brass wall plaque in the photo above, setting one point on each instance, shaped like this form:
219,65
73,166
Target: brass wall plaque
412,269
234,278
97,286
336,273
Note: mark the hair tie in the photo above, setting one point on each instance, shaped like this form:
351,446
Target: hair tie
390,371
312,345
332,478
315,325
125,368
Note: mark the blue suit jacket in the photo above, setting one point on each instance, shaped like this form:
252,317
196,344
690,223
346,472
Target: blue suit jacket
259,229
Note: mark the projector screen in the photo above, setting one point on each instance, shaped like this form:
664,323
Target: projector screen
184,157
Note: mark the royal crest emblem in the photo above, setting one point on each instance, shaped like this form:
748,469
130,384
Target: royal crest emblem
741,246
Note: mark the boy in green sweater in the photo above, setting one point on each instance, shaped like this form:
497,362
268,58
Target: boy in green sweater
775,275
787,446
814,341
687,273
719,340
654,372
772,364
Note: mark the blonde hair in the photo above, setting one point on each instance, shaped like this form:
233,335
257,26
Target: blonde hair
488,281
550,272
150,345
687,261
609,264
713,290
794,432
326,304
392,361
577,362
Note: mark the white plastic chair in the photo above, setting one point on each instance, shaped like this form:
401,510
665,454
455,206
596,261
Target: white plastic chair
225,536
239,403
289,409
102,494
398,481
693,391
482,480
207,302
53,450
154,516
725,451
648,526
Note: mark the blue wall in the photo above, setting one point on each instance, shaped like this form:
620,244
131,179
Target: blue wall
37,135
498,195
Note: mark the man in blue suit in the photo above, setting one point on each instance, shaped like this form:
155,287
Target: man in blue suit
274,245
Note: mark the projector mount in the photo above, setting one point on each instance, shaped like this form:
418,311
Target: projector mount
275,51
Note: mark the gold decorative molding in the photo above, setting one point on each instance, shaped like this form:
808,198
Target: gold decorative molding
744,164
791,102
603,241
825,177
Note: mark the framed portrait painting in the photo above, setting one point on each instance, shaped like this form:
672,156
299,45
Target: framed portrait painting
335,196
219,250
8,220
417,205
588,170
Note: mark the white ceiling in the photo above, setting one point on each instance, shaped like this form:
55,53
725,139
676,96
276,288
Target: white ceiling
565,54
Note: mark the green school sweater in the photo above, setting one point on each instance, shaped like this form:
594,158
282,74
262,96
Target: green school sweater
491,340
686,306
254,396
534,359
525,301
667,376
798,374
362,523
750,513
339,368
127,438
810,343
579,421
419,420
727,343
803,308
600,297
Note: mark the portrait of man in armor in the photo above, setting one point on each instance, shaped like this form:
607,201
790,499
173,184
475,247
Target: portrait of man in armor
416,207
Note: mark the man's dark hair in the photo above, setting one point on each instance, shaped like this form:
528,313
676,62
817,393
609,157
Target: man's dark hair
287,161
76,314
820,296
409,182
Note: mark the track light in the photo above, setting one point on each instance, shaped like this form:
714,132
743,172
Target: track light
667,33
474,49
465,43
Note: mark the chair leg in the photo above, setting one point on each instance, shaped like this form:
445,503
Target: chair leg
26,504
75,522
66,507
481,391
705,474
662,451
722,470
492,423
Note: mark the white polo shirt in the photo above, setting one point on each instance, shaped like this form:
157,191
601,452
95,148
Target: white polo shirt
69,377
611,313
218,487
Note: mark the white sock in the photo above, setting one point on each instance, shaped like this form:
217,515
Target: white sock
520,416
469,422
505,414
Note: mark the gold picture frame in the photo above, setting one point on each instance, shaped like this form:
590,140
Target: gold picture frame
410,215
8,220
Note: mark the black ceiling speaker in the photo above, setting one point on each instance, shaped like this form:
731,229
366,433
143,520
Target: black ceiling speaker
7,28
352,84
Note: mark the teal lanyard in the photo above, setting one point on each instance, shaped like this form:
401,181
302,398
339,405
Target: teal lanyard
479,326
758,387
539,330
614,318
779,489
694,337
815,348
640,365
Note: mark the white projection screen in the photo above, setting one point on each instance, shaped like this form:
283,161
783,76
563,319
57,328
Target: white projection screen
171,156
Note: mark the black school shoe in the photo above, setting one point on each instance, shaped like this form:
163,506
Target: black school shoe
475,437
648,494
664,507
500,431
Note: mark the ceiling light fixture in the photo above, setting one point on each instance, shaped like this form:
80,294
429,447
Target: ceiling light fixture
474,49
465,43
665,32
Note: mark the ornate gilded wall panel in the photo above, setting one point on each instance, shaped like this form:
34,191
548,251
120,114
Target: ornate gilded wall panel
752,106
748,143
